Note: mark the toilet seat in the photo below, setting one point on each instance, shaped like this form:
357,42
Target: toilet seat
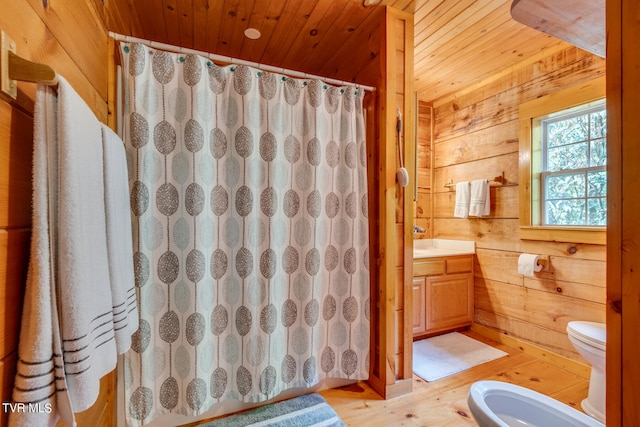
591,333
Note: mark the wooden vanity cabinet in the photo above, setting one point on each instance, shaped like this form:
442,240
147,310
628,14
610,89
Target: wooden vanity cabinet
442,294
419,304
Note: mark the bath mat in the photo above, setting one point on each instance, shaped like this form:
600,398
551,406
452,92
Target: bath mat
444,355
307,410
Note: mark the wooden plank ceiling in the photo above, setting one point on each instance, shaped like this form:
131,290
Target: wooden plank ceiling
457,42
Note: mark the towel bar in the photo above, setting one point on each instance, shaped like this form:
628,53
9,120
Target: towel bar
14,67
499,179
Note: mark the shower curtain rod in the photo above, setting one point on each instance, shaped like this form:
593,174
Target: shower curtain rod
228,59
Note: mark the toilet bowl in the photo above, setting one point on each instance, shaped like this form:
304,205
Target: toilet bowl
590,340
500,404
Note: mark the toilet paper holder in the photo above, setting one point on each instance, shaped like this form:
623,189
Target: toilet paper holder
530,264
543,262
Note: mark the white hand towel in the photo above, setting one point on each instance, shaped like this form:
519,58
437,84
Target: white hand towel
461,209
480,198
119,239
84,285
40,379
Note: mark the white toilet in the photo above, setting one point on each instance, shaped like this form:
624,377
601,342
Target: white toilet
590,340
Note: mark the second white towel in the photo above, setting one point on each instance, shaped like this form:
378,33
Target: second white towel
119,239
84,287
480,201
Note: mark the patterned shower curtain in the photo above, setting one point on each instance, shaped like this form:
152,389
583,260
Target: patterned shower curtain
249,204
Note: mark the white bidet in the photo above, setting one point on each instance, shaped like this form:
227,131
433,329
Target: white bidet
500,404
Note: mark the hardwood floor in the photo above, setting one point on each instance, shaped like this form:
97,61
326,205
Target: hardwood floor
444,402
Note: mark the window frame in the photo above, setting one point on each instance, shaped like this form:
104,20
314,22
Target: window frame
530,203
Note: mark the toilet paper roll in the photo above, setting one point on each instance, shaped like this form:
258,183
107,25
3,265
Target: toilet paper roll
528,264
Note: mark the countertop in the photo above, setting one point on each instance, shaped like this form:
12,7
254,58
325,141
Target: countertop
433,248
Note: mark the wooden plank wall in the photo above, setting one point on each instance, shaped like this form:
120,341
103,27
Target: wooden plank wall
71,39
422,210
476,136
405,98
400,87
623,152
395,207
616,42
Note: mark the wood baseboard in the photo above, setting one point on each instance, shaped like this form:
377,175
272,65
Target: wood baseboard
573,366
399,388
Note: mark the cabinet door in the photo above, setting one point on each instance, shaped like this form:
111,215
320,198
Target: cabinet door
419,301
449,301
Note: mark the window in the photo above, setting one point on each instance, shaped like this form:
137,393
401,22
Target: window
563,158
573,177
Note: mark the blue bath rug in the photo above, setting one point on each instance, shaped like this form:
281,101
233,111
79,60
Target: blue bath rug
308,410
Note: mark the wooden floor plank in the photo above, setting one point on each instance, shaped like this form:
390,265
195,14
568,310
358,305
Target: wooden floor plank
444,402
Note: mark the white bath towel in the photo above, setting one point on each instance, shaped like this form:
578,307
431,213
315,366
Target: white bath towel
480,203
119,239
461,209
40,379
67,339
84,290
